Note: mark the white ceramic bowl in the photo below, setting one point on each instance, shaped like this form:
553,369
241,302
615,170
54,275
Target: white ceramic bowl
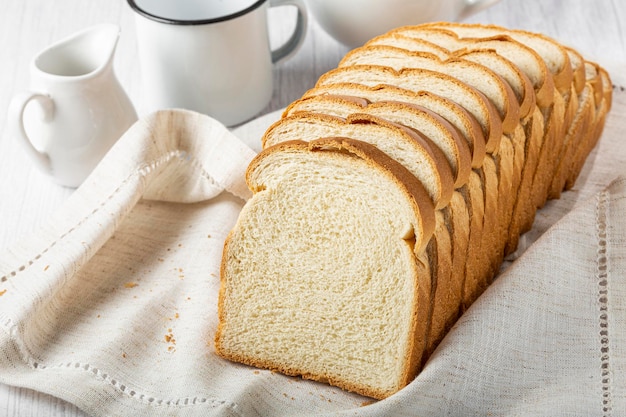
354,22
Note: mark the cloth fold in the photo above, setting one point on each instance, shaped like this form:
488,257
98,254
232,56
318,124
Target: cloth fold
112,305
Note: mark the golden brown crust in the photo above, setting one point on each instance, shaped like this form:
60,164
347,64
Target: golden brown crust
274,126
578,68
444,169
301,104
418,44
526,97
562,76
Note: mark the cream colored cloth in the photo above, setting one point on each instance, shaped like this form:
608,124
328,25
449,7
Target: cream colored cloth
112,304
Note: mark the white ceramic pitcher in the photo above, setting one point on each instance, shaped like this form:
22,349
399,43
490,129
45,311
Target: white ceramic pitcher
82,108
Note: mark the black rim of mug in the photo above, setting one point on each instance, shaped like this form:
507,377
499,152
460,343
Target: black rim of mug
162,19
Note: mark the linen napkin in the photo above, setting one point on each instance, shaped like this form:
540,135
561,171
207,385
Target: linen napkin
112,304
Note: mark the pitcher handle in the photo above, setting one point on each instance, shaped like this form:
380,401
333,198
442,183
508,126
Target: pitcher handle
474,6
297,38
16,124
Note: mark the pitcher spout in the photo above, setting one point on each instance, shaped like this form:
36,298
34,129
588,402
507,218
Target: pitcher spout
82,54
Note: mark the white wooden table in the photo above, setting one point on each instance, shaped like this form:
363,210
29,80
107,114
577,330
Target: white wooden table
595,28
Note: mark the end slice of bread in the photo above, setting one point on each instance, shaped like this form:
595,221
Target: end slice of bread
321,276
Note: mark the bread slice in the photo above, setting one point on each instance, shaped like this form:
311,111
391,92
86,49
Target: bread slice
322,276
517,80
411,44
524,57
577,137
453,89
537,129
501,95
518,85
413,150
397,143
578,68
602,87
553,53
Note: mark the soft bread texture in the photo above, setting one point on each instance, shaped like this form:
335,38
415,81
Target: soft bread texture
470,197
557,61
540,127
386,198
475,75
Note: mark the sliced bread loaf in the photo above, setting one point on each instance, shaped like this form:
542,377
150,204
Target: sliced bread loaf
540,127
346,265
557,60
553,53
500,94
418,118
473,195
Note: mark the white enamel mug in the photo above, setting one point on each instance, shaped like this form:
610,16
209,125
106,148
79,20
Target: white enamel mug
210,56
354,22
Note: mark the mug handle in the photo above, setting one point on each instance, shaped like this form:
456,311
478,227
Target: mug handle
474,6
16,124
295,41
